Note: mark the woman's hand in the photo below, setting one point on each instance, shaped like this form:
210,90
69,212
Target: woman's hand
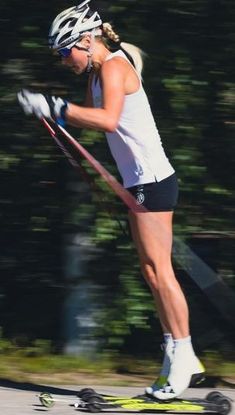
43,106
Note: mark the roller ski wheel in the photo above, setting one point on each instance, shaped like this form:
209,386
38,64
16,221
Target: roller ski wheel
214,396
46,400
94,404
86,392
225,404
90,396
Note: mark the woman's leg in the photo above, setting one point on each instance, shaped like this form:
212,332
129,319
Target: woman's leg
152,234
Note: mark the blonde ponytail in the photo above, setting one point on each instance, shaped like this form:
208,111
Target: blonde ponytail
136,54
109,32
133,51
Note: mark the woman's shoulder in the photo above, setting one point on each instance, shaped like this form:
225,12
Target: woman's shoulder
114,64
112,69
117,69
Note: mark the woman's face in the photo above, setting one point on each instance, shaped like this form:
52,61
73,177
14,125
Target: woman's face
78,58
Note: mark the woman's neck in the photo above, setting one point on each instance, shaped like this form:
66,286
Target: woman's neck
99,55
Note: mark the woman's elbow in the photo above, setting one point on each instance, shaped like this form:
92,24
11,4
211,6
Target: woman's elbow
111,125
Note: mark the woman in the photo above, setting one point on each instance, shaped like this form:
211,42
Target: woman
116,104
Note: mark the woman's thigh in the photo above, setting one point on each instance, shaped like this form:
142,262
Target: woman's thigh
152,235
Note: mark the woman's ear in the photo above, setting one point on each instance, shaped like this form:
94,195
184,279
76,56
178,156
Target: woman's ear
86,41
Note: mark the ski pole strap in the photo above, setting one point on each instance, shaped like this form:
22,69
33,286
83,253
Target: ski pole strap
58,107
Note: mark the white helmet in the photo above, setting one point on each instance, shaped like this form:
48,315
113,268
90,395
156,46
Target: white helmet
71,24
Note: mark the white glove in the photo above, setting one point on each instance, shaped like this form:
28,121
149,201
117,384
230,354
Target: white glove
43,106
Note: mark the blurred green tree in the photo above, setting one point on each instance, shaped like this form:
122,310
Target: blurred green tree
189,78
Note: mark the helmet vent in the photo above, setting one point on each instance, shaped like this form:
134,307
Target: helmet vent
63,23
65,37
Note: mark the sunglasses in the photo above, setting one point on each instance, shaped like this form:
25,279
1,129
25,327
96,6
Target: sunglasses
66,52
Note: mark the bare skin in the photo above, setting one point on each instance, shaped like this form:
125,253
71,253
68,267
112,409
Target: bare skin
152,234
118,79
152,231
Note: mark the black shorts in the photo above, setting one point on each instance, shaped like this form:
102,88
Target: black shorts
157,196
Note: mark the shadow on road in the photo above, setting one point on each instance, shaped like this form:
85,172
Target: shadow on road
209,382
6,383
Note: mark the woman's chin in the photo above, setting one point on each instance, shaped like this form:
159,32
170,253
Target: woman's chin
77,70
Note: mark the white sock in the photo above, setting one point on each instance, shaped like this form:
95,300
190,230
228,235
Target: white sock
168,355
183,364
195,363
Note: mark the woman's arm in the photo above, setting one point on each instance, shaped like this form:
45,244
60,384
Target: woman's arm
106,118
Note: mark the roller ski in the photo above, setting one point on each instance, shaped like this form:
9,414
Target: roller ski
91,401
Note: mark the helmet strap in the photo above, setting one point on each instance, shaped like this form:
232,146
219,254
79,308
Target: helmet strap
90,52
89,64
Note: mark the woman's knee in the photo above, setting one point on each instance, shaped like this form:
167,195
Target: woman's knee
158,278
149,273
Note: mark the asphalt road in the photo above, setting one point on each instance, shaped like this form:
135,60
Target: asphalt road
22,399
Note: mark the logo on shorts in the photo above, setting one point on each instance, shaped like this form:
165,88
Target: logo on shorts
140,198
